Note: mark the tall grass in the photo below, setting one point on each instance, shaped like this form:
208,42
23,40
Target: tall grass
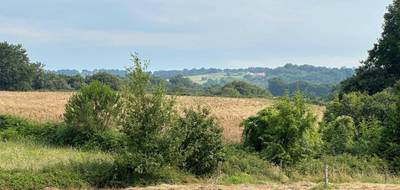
33,156
343,169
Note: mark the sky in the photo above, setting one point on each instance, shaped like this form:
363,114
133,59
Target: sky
177,34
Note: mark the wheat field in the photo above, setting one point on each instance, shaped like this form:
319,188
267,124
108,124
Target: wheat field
49,106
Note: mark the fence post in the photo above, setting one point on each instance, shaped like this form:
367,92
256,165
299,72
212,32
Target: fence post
386,176
326,175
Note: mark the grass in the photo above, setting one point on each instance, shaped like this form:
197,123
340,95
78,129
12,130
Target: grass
26,165
31,156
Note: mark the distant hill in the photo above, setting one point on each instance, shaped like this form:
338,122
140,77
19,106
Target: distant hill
72,72
260,75
311,80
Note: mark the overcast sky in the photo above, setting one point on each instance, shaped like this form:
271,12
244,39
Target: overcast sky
176,34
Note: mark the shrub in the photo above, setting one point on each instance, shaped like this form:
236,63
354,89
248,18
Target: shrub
339,135
146,119
284,133
94,107
391,140
201,145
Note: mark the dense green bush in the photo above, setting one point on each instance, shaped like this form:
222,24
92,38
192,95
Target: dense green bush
361,106
284,133
243,89
339,135
370,113
95,107
200,141
391,140
145,121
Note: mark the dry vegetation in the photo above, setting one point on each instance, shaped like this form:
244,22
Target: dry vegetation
49,106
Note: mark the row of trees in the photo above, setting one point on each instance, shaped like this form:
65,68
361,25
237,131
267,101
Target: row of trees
279,87
183,86
17,72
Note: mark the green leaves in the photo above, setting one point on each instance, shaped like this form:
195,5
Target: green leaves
94,107
287,132
381,69
200,144
145,120
16,71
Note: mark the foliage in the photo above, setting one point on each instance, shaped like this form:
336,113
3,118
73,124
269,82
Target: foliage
146,118
361,106
183,86
95,107
106,79
289,73
370,114
380,70
284,133
339,135
278,87
391,139
16,71
200,141
45,80
242,89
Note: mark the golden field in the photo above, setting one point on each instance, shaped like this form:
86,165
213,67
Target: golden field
49,106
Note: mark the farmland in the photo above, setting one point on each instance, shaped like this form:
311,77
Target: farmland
49,106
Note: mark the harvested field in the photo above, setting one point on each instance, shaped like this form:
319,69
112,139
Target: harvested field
49,106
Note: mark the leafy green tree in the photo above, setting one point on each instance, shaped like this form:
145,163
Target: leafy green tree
381,69
369,138
277,86
16,71
244,89
339,135
145,121
51,81
370,114
361,106
286,132
75,82
183,86
105,78
95,108
199,141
